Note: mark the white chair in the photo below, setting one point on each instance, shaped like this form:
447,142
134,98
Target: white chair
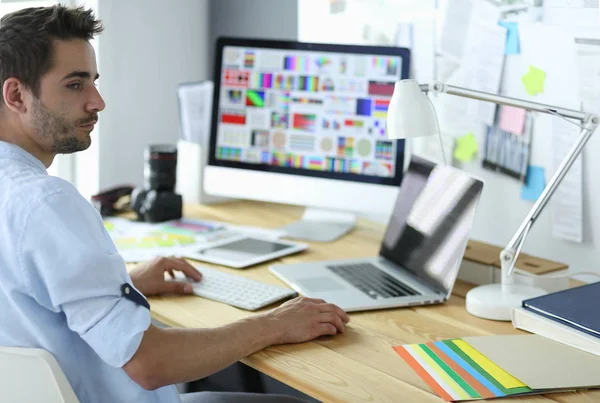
32,375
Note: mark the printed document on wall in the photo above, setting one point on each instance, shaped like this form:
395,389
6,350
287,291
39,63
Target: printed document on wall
457,19
195,109
572,14
588,60
561,88
568,214
481,69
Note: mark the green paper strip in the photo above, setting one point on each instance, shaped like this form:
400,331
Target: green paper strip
457,378
483,373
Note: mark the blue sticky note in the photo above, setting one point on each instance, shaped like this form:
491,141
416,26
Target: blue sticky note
534,183
512,37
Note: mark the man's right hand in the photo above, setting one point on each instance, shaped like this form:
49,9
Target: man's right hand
303,319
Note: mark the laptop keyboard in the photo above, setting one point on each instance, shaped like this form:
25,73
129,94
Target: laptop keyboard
374,282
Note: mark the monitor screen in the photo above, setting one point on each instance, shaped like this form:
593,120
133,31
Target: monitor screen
307,109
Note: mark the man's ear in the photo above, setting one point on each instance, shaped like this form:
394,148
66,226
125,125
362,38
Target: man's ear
13,93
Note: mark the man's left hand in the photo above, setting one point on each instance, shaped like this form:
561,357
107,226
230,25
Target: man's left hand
149,277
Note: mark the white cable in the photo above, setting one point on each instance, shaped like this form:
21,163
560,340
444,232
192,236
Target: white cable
563,118
438,130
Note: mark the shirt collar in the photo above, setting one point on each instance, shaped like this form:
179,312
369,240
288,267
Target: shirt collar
12,151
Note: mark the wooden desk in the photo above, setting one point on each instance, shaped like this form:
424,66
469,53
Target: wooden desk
360,365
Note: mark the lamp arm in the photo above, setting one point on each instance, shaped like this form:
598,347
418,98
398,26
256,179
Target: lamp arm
438,87
514,246
509,255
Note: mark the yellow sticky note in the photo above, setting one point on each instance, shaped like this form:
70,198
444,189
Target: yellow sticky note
534,80
505,379
466,148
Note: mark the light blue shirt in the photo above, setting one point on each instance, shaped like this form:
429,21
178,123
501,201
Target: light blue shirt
60,284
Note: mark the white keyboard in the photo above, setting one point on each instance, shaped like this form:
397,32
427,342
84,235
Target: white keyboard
236,290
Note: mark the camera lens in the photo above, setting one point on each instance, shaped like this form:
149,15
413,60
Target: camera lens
160,171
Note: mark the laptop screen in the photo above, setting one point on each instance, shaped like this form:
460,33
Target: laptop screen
429,228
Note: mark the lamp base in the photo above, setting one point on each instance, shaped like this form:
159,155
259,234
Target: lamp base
490,302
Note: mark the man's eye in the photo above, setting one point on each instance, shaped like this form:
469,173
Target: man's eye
74,86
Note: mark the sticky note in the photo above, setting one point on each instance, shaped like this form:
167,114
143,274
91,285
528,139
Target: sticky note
512,119
534,183
466,148
512,37
534,80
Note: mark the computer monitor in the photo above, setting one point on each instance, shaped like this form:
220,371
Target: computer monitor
304,123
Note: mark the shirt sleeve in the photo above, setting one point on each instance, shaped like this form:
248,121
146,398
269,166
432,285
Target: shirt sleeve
73,267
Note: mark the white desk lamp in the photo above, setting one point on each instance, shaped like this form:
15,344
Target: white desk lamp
411,114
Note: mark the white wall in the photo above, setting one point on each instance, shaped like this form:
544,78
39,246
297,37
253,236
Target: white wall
147,48
276,19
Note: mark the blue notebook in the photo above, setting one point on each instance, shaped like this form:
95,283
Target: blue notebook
576,307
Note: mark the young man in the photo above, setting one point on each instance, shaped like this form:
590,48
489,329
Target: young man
62,281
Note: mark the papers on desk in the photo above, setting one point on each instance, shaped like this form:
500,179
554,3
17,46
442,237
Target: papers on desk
140,241
474,368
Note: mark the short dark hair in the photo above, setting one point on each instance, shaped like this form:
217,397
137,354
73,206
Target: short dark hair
26,49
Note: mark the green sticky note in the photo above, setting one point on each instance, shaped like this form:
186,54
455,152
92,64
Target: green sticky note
466,148
534,80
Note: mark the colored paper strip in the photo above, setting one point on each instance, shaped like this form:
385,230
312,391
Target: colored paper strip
468,368
441,382
481,390
506,379
456,388
490,378
405,355
455,377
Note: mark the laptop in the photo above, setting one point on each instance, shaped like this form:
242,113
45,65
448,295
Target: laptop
420,253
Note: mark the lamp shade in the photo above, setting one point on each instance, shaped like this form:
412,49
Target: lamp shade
410,113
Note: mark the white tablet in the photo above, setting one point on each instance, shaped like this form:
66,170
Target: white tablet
244,250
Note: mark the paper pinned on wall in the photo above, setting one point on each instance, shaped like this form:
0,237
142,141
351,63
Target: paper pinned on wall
568,211
459,16
195,111
480,69
455,28
512,119
419,30
534,80
466,148
534,183
588,61
561,88
512,37
576,14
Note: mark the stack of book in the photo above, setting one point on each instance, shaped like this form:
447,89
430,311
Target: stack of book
570,317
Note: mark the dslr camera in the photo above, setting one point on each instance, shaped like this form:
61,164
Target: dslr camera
157,201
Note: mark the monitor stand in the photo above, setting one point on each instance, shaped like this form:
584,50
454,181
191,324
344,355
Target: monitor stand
320,225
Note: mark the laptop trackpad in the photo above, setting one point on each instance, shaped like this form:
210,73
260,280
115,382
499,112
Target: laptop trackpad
320,284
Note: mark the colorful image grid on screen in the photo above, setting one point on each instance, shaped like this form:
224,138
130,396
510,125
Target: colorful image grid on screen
319,111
